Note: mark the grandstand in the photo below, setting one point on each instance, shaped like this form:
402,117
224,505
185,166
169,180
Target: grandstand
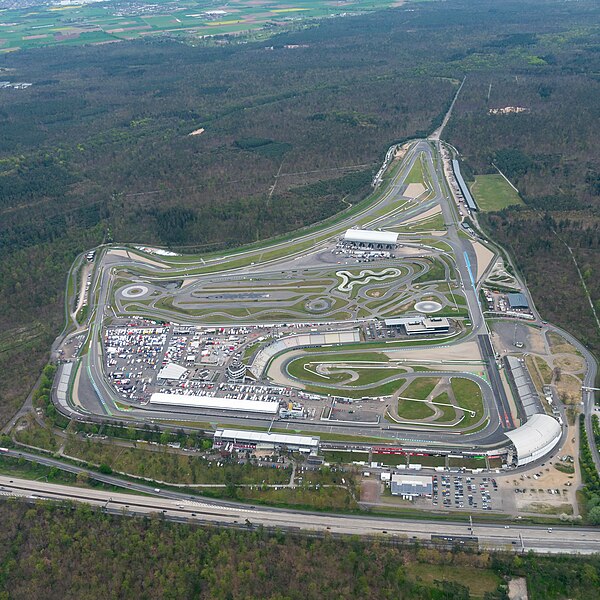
328,338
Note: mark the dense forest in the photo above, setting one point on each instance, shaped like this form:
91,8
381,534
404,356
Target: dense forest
48,551
549,151
98,148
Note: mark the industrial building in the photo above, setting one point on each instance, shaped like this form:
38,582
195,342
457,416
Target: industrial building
420,325
215,403
535,439
251,439
517,301
464,188
372,240
411,486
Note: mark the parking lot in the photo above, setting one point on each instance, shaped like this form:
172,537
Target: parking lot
136,351
466,492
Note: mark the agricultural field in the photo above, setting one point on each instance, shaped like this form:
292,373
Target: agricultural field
102,23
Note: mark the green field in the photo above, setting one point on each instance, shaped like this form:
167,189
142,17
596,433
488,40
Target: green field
479,581
492,192
468,395
116,21
416,174
414,410
420,388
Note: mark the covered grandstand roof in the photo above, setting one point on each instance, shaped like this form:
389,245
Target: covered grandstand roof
214,403
264,355
258,437
368,236
536,438
464,188
172,371
524,386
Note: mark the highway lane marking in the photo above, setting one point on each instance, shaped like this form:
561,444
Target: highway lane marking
214,506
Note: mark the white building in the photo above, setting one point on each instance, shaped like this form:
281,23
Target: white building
172,372
411,486
236,437
215,403
535,439
367,238
419,324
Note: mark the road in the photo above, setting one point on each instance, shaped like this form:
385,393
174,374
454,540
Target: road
490,536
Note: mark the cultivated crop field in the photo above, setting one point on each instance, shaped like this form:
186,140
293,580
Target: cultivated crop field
101,23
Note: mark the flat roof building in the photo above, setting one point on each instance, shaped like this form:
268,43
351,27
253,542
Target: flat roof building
370,238
419,324
517,301
301,443
215,403
411,486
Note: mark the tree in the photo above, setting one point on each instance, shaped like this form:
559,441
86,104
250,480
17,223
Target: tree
594,516
83,477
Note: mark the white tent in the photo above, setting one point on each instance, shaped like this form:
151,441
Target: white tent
367,236
172,372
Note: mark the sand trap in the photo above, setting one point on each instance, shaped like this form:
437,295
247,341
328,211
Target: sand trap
188,281
437,209
197,131
409,251
414,190
466,351
484,258
136,258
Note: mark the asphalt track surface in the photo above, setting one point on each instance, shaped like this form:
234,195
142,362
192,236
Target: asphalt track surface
97,397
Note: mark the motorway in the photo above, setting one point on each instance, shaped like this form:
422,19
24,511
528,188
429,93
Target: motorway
517,538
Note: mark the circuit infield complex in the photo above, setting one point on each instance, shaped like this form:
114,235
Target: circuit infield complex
366,329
